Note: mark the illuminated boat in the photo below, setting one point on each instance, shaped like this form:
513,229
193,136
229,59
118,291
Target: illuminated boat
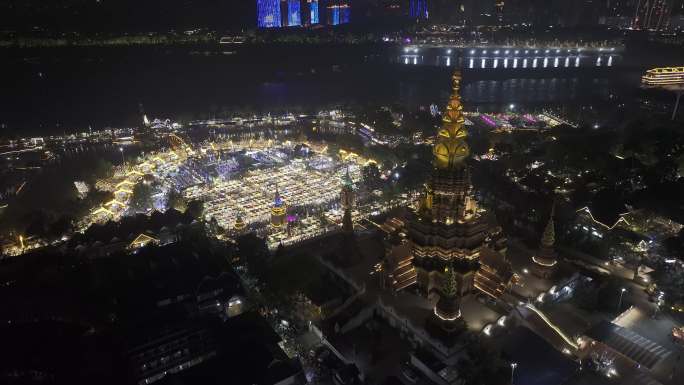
664,77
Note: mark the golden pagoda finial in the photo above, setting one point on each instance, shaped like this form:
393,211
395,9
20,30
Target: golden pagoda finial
451,148
453,120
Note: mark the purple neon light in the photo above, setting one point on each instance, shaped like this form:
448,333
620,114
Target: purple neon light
530,118
488,120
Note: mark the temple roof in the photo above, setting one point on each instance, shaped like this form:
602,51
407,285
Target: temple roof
498,263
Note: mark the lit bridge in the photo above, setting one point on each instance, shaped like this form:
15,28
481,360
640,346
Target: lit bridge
509,58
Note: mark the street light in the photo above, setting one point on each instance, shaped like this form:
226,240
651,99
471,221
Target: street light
123,162
622,291
513,366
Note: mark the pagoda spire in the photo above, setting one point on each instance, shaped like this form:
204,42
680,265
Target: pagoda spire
451,149
277,200
546,260
278,210
451,284
549,236
447,194
347,180
347,201
448,308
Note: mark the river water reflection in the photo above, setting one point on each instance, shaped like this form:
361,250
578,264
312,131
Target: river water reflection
57,91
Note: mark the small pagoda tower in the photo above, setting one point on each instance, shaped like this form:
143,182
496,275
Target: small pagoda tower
278,211
347,253
240,224
546,261
347,197
448,308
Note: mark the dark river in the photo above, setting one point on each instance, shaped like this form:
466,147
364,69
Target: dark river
69,89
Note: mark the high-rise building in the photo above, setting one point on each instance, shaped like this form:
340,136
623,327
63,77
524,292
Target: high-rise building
314,17
418,9
339,12
294,13
268,14
500,6
618,13
652,14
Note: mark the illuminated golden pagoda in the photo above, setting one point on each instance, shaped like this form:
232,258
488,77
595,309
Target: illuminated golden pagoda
447,197
451,148
239,223
278,211
448,233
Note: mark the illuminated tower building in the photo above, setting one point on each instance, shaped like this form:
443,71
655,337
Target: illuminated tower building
418,9
268,14
449,235
347,202
294,13
278,211
339,12
652,14
499,5
312,11
545,261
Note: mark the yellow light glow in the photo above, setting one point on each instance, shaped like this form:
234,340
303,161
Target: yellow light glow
125,183
552,326
447,318
664,76
20,188
542,263
114,202
142,240
102,210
